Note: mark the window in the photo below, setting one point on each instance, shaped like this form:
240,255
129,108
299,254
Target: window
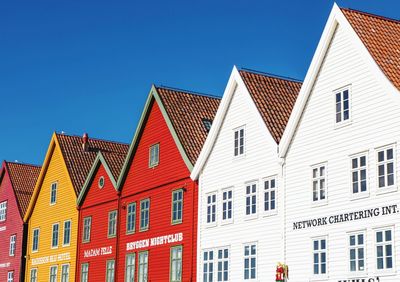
65,273
143,264
223,265
211,207
207,124
131,218
13,238
34,275
110,271
386,172
319,256
35,240
144,214
87,223
251,199
112,223
359,174
85,272
356,252
270,194
342,99
250,262
67,233
154,157
177,206
227,205
208,266
130,268
319,183
384,249
176,264
53,193
10,276
3,211
101,182
239,142
53,273
54,240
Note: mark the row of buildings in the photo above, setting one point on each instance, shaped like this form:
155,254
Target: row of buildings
224,189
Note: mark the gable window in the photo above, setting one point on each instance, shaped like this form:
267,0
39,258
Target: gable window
176,264
208,266
177,206
251,199
342,103
53,193
65,273
386,167
223,265
227,205
250,262
131,218
144,214
319,182
211,207
53,273
3,210
359,174
319,256
239,142
384,249
33,275
54,238
356,252
11,252
35,240
143,265
10,276
67,233
270,187
87,224
85,272
130,267
112,223
154,155
110,271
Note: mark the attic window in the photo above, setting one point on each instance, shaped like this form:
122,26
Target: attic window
101,182
207,124
154,155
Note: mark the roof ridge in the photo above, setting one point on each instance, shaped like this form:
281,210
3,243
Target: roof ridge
92,138
22,163
372,15
271,75
188,91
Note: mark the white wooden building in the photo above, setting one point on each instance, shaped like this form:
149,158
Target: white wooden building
240,230
341,151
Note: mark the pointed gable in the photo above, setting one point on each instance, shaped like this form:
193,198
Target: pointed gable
274,97
381,36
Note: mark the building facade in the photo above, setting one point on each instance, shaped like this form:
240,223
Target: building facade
158,209
17,181
341,151
240,199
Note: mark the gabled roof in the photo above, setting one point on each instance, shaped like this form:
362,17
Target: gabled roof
381,36
273,98
376,38
183,112
23,178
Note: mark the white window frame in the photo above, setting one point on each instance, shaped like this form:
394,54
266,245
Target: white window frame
33,239
238,154
55,184
69,233
342,121
318,166
132,267
174,260
251,195
319,252
270,191
52,235
110,270
356,247
386,188
10,276
250,256
154,160
142,212
13,241
112,223
3,211
384,243
225,205
211,205
175,203
129,215
86,272
145,270
56,274
209,261
67,273
222,261
87,229
33,278
359,194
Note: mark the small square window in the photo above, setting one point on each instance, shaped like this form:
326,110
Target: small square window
154,157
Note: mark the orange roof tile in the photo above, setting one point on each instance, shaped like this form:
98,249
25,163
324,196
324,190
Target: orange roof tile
186,111
23,178
381,36
274,97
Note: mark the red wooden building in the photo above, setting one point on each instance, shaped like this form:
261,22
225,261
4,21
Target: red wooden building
16,187
98,205
158,201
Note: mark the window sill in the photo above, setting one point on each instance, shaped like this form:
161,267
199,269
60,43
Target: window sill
211,225
66,245
358,196
386,190
54,248
270,213
130,232
342,124
144,230
250,217
318,204
226,221
176,223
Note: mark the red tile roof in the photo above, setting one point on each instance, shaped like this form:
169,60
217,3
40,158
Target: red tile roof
79,162
381,36
186,111
274,98
23,179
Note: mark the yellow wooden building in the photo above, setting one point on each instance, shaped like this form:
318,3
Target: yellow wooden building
52,216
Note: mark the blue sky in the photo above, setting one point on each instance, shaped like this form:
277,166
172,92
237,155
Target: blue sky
87,66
